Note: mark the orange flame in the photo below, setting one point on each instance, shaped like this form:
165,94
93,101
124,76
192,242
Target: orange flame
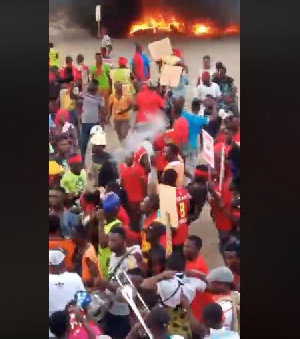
155,22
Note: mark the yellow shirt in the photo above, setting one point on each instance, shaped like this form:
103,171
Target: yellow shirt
65,100
119,105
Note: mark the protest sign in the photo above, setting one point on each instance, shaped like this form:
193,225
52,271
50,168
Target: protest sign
159,49
208,149
170,75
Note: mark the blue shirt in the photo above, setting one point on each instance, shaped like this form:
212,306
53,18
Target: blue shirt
196,124
146,65
68,221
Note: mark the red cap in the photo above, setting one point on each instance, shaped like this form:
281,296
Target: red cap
177,52
122,62
75,159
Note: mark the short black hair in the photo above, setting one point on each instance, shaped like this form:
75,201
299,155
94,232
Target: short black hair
59,323
213,313
54,224
68,58
219,65
51,44
170,177
173,148
158,317
98,54
223,68
95,82
58,189
81,231
154,201
206,57
202,168
233,246
176,262
197,241
120,231
157,229
196,104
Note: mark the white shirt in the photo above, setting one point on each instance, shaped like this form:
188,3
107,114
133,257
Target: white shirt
202,91
222,333
106,41
62,289
166,288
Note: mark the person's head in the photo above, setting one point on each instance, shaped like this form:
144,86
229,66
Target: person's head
93,86
138,48
54,226
171,152
76,164
219,65
59,324
129,160
57,261
111,204
157,321
169,177
118,88
103,31
62,116
220,280
206,62
150,204
69,61
103,52
222,71
98,57
122,62
80,236
232,255
154,232
57,197
205,78
51,45
196,106
117,239
209,102
79,59
176,262
192,247
63,145
212,316
98,141
201,173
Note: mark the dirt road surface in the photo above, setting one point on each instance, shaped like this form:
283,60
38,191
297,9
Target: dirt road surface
225,50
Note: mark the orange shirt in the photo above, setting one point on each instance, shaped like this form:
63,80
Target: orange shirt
198,264
118,105
67,245
92,255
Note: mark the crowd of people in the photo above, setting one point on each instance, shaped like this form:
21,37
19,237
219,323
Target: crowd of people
106,230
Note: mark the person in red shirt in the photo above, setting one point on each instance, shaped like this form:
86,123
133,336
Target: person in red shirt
133,181
149,103
69,69
179,234
194,260
138,65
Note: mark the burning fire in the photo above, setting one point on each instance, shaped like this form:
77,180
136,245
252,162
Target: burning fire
155,22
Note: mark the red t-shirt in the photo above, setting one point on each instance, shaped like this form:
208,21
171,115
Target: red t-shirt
123,216
223,223
149,104
63,74
138,64
183,201
131,179
198,264
180,133
201,300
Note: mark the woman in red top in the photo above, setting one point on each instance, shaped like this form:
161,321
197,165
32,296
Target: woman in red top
132,177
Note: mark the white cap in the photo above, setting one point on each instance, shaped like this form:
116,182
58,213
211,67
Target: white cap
56,257
99,139
220,274
96,129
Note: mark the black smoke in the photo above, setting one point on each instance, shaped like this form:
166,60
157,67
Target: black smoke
117,15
